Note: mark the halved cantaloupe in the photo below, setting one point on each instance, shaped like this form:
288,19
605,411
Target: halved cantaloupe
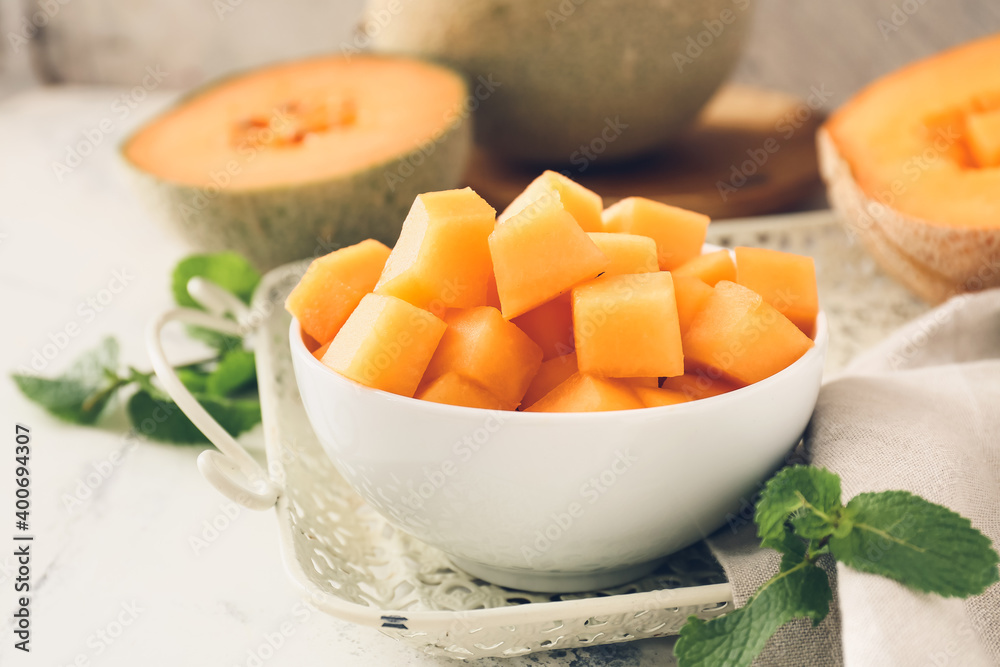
288,159
588,393
455,389
709,268
550,325
907,164
386,343
539,254
483,347
628,253
626,326
679,233
442,257
690,294
550,375
332,288
785,280
742,337
584,205
656,397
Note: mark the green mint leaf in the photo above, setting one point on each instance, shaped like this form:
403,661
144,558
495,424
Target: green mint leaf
81,394
809,496
793,550
159,418
734,640
234,371
922,545
229,270
214,339
192,378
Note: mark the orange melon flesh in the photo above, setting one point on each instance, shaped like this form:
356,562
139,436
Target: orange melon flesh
697,385
483,347
550,325
540,253
679,233
584,205
587,393
321,350
311,120
742,337
442,259
333,286
655,397
785,280
386,344
454,389
311,343
627,326
984,137
550,375
710,267
628,253
690,294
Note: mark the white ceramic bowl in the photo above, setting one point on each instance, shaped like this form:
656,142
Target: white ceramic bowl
558,502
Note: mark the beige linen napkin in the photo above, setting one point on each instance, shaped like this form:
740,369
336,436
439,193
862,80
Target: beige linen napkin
921,413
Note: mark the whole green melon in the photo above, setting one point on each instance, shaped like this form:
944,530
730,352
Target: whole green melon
572,81
301,158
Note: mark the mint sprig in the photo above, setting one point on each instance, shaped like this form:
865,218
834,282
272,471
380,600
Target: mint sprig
896,534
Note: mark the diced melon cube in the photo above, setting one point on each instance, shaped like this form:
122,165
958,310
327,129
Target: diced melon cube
550,325
454,389
785,280
550,375
628,253
626,326
710,267
587,393
679,233
442,258
698,384
540,253
386,343
483,347
333,286
983,137
584,205
741,336
656,397
644,383
321,350
691,294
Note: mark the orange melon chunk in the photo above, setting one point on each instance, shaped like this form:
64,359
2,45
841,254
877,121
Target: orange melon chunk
550,375
550,325
784,280
587,393
454,389
333,286
698,384
321,350
628,253
983,137
540,253
690,294
486,349
656,397
626,326
584,205
710,267
386,343
441,259
679,233
742,337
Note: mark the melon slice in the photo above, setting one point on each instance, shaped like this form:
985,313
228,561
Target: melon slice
539,254
628,253
626,326
386,343
286,160
550,375
332,288
983,137
584,205
690,294
550,325
679,233
587,393
710,267
483,347
907,165
656,397
699,384
742,337
442,257
785,280
455,389
320,351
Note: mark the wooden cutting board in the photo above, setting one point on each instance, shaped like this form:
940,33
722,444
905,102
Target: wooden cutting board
751,152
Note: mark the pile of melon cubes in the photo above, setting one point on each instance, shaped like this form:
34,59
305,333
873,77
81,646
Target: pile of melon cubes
557,305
